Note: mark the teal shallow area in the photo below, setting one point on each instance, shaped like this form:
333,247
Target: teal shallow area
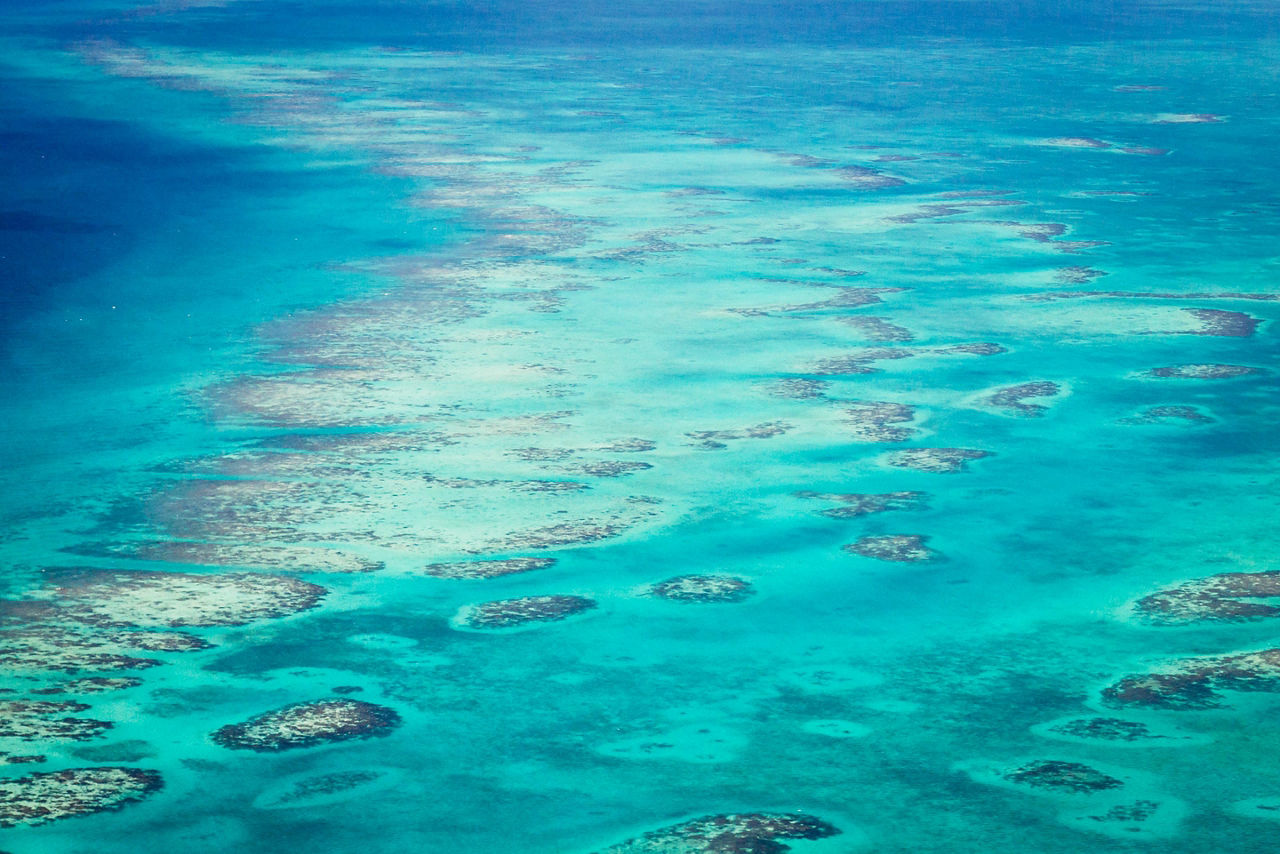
950,342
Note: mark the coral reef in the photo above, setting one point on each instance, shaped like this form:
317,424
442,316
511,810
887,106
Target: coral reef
1105,729
132,598
1167,413
1224,324
1196,683
1061,776
734,833
49,796
899,548
1203,372
34,720
703,588
1223,597
935,460
509,613
863,504
1014,397
309,724
488,568
873,421
714,440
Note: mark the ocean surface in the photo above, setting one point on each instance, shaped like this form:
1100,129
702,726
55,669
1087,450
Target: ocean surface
639,427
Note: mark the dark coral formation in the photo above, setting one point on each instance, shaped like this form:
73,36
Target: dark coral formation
1076,275
861,362
799,389
43,720
899,548
1106,729
488,568
1204,372
1225,324
293,558
704,588
863,504
879,329
1014,397
874,421
309,724
935,460
49,796
1167,413
93,685
1138,811
714,440
40,647
979,349
21,758
1194,684
1061,776
325,785
129,598
609,468
735,833
1225,597
509,613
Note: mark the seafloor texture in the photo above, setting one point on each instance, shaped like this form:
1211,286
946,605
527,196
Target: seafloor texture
644,428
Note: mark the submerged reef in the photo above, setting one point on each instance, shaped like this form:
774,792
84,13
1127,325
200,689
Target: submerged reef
1013,398
879,329
1061,776
1165,414
34,720
1196,683
899,548
488,568
714,440
863,504
704,588
55,648
1076,275
873,421
935,460
1223,324
509,613
1217,598
309,724
49,796
1105,729
734,833
1203,372
132,598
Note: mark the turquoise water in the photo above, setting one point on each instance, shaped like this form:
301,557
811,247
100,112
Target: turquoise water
346,295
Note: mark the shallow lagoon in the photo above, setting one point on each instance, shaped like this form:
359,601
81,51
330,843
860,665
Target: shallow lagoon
590,314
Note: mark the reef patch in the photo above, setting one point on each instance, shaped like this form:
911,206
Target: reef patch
703,588
512,613
309,724
935,460
1014,398
898,548
133,598
50,796
733,833
1227,597
488,568
1204,372
1061,776
863,503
